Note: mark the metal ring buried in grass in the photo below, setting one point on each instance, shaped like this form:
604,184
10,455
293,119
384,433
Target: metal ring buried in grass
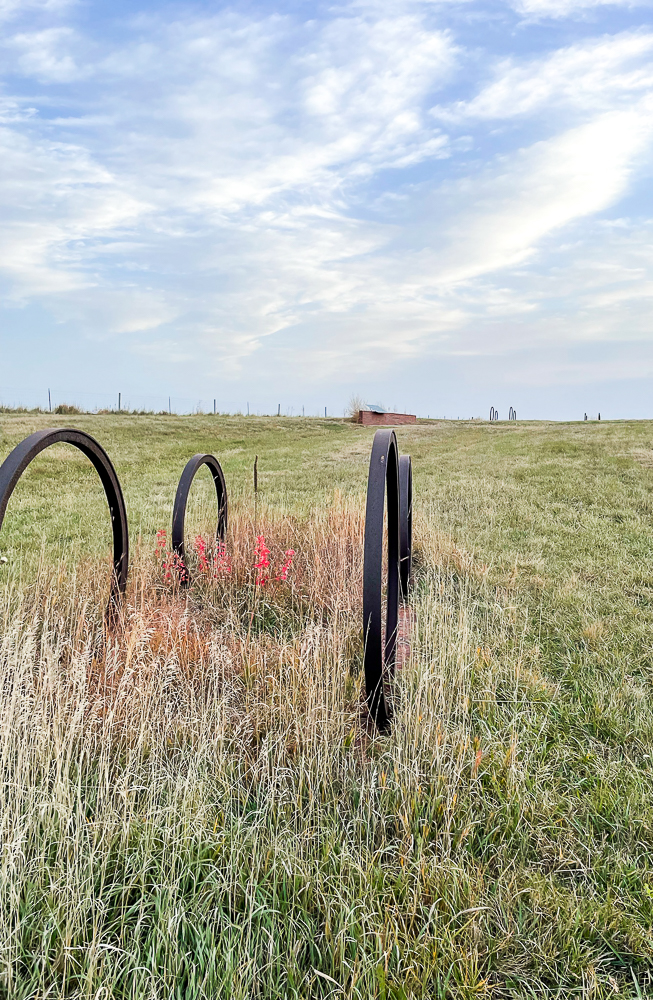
405,523
379,650
17,461
181,499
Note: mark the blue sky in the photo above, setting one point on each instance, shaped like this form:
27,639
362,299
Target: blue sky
441,206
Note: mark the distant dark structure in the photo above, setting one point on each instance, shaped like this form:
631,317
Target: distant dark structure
376,416
494,414
585,417
599,416
512,415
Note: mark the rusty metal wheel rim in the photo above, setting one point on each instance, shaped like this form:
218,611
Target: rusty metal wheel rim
379,650
181,500
23,454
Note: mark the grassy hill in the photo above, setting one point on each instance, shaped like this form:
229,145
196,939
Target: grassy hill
195,805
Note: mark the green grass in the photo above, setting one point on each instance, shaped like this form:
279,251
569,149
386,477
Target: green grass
198,810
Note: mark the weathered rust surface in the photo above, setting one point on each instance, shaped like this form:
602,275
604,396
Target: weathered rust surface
405,524
404,631
370,419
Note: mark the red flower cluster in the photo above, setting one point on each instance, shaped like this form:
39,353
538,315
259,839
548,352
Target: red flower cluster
287,565
200,548
221,561
171,564
217,563
262,564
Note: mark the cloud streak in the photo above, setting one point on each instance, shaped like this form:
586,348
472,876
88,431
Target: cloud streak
321,197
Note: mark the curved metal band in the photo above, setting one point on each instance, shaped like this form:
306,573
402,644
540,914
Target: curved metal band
181,499
405,523
17,461
379,654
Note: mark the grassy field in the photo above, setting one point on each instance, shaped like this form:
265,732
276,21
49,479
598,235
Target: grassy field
195,807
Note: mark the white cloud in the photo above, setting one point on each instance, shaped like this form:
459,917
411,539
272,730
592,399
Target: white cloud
261,192
570,8
53,197
345,104
499,219
594,75
10,9
47,55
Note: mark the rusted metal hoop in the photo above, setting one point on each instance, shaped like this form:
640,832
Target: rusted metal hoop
405,523
181,500
17,461
379,650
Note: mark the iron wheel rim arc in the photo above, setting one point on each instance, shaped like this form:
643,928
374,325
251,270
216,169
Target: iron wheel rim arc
181,500
379,651
24,453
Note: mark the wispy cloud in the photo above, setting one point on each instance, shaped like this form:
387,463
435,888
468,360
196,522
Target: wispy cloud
596,74
570,8
320,196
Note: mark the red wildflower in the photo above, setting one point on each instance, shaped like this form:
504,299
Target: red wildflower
262,554
287,564
221,561
200,548
173,567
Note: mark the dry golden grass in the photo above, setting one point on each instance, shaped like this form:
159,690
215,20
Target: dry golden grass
194,806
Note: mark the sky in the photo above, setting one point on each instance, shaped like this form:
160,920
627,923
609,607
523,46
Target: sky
435,205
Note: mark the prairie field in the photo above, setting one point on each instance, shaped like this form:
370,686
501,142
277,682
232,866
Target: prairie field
194,804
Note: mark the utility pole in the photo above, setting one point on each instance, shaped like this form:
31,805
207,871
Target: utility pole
118,402
325,411
213,407
49,402
279,410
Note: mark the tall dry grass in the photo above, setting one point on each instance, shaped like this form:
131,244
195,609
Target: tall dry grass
194,805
